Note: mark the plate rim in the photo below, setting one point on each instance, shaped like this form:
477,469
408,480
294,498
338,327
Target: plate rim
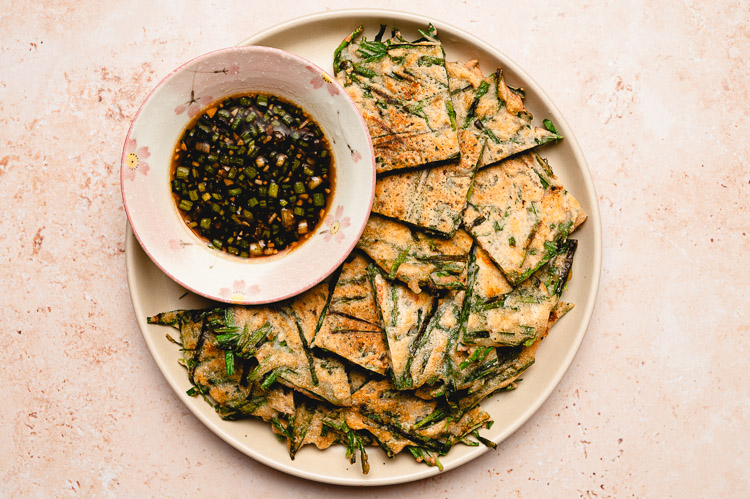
594,221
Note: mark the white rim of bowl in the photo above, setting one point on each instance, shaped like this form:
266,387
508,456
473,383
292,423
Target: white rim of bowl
216,297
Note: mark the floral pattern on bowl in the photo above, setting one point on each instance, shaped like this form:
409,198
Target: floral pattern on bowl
156,129
135,159
321,79
239,292
335,225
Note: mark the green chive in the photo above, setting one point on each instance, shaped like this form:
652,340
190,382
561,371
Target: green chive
549,125
229,361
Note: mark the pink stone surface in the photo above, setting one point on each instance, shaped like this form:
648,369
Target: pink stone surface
656,402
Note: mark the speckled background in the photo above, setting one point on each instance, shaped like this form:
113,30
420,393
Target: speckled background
656,402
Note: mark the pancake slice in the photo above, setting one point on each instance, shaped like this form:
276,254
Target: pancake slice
415,257
439,339
489,108
561,214
512,362
351,325
404,315
401,89
520,213
287,356
405,420
431,198
232,396
308,427
442,366
521,315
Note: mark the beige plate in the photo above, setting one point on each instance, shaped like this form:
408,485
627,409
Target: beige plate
315,38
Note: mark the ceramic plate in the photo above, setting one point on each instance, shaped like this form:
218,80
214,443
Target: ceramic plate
315,38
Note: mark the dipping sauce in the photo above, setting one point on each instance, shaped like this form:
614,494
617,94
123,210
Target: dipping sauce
252,175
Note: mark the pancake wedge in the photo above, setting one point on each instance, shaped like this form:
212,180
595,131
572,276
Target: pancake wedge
351,326
308,427
520,315
401,89
438,340
490,109
431,198
512,362
425,424
415,257
208,372
442,366
286,356
519,212
404,315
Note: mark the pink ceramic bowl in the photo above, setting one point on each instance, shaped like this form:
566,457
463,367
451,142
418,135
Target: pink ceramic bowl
146,193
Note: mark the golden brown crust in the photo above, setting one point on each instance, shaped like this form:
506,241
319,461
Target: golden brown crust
414,257
351,327
403,97
515,209
431,198
403,314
